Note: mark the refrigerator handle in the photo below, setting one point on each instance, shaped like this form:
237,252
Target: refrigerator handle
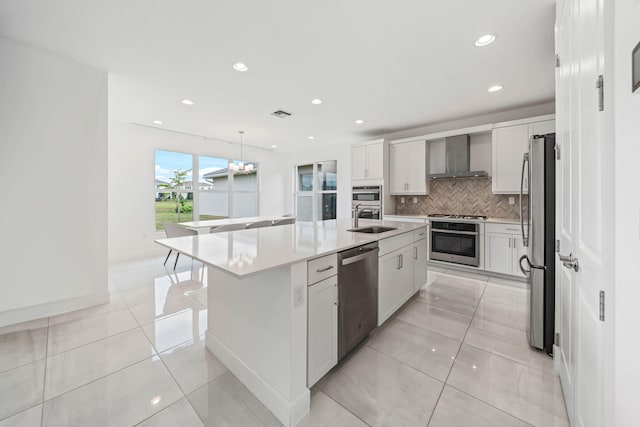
525,162
527,272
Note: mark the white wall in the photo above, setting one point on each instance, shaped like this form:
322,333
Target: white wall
53,169
627,221
131,177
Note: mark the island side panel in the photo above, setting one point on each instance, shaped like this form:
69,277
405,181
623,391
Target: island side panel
257,328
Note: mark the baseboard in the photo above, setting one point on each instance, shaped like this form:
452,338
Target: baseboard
25,314
289,413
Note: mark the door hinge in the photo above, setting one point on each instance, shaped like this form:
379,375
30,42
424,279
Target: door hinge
556,341
557,245
602,306
557,148
557,61
600,88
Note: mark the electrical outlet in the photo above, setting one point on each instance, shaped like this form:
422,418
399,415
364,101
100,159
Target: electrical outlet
512,200
401,199
415,200
298,295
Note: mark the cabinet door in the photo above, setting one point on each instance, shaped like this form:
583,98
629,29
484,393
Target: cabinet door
375,161
398,169
358,162
387,273
322,337
498,256
417,167
395,281
542,128
405,276
508,148
419,264
518,251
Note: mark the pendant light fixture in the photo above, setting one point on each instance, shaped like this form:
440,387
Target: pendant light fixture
241,167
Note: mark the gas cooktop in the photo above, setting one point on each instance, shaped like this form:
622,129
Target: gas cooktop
454,216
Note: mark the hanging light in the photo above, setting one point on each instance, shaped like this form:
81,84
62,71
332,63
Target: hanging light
240,167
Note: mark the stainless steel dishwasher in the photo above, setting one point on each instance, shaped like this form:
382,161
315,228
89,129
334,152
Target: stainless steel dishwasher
357,295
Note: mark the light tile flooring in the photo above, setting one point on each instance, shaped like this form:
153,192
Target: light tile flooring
454,355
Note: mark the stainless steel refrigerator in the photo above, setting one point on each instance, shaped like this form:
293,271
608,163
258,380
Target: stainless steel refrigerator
538,234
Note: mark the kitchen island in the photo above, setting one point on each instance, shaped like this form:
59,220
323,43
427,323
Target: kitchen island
257,301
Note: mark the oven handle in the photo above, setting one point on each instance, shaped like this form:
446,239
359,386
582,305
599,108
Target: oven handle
469,233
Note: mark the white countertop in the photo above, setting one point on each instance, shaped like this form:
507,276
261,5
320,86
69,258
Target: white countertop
213,223
246,252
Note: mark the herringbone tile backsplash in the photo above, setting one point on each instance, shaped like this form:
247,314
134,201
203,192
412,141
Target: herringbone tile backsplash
463,197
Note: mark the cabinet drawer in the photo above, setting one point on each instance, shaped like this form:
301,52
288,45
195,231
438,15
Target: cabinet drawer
396,242
502,228
320,268
420,234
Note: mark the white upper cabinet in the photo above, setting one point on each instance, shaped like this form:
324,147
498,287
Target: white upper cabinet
509,143
508,147
367,161
408,168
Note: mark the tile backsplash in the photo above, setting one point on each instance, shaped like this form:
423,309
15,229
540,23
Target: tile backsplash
464,197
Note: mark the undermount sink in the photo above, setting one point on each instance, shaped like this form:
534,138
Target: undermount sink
373,229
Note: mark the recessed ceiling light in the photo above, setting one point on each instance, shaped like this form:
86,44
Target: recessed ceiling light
316,101
274,146
157,122
187,102
239,66
485,40
359,122
495,88
311,137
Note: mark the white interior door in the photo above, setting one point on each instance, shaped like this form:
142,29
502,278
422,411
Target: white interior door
587,209
565,110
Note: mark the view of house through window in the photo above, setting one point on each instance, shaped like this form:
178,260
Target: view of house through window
214,194
316,191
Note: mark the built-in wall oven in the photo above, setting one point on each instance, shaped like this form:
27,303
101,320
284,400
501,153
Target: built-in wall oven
367,200
457,242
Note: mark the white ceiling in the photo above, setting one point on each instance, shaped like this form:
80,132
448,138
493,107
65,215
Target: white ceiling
394,64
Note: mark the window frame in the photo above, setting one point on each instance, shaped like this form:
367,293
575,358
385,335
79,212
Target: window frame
315,191
195,191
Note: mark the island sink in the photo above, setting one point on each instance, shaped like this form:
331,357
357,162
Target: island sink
375,229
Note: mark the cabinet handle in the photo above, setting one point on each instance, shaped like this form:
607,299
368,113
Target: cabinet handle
399,266
335,293
415,253
401,261
322,270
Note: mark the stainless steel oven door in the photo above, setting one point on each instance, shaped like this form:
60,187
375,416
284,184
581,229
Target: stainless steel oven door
460,247
369,213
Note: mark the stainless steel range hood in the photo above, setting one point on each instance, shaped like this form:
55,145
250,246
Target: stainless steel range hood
457,160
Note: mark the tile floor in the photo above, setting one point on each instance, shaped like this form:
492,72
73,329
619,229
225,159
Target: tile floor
455,355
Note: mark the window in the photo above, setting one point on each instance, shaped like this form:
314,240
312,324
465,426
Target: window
217,193
316,191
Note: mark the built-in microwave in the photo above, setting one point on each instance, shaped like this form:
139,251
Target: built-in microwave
367,194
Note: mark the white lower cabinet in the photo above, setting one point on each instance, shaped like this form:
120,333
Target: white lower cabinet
322,333
395,281
419,264
503,249
401,272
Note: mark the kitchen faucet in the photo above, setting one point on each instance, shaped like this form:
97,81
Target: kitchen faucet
355,215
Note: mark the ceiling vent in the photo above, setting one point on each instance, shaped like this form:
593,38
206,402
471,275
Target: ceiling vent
281,114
